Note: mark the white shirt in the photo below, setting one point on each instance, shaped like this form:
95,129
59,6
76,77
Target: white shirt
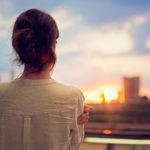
40,115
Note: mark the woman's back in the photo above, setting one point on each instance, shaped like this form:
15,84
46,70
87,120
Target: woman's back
40,115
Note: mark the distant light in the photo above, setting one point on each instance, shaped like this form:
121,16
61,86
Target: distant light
107,131
110,94
117,141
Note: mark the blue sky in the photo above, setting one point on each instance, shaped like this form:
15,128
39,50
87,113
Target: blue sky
100,40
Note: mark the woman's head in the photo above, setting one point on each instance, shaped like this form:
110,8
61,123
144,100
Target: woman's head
34,38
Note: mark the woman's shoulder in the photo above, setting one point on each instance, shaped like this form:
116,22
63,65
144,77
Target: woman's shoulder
3,85
69,89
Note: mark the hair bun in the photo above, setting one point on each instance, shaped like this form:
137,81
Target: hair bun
24,41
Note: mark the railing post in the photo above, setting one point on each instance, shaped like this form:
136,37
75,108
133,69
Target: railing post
110,146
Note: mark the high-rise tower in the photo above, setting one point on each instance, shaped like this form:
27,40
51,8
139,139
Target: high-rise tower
131,89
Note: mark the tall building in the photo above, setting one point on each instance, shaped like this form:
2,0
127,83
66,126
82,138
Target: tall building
131,89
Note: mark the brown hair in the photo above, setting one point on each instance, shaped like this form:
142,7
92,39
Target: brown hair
33,36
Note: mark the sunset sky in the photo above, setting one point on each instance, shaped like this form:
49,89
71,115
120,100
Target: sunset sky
100,41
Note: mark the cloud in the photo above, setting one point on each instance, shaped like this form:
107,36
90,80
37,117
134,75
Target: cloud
136,20
6,19
139,19
6,6
107,39
64,18
121,65
147,43
5,26
9,76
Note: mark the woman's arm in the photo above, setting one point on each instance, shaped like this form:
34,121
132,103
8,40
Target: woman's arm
77,130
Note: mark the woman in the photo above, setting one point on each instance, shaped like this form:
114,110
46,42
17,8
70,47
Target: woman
37,112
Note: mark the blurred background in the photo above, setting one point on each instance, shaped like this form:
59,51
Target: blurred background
104,49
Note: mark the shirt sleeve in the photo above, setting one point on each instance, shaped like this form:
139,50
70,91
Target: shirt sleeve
77,130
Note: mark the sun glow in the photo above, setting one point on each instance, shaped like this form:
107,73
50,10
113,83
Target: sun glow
103,94
110,94
93,96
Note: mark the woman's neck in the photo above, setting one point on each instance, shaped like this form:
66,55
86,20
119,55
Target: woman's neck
32,74
35,76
